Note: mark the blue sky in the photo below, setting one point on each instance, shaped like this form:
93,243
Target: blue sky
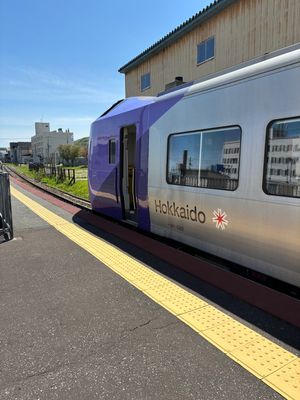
59,60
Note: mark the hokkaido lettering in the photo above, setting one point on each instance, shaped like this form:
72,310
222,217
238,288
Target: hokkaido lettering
170,208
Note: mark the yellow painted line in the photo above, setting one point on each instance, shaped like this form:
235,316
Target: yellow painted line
277,367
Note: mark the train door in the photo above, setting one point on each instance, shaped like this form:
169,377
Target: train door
128,173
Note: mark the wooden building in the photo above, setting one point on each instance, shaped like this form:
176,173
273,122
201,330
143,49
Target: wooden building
225,34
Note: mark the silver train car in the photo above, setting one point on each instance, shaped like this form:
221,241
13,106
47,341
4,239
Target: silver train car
215,165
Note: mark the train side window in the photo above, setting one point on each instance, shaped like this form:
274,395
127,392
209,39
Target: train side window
207,159
112,151
282,159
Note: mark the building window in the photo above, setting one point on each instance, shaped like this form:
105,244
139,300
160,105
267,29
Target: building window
282,173
206,50
197,158
112,151
145,81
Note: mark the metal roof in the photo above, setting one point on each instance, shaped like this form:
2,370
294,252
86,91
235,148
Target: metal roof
187,26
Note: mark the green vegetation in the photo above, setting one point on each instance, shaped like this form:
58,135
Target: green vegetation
76,168
83,142
23,169
79,188
68,152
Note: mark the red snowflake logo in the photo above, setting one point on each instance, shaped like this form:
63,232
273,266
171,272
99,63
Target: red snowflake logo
220,219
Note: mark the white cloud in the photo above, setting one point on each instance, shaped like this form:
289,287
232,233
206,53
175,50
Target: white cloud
28,84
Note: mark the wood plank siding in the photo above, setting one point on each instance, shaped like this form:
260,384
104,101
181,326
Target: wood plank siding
244,30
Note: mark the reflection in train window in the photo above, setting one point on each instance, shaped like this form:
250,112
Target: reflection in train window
282,162
208,159
112,151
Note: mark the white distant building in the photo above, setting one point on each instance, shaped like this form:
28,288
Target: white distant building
230,158
284,160
45,142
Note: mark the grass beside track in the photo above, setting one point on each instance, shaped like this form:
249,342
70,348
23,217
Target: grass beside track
79,188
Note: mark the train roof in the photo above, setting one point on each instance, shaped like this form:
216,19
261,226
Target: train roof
126,105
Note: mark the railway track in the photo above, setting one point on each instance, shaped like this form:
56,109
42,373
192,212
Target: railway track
75,200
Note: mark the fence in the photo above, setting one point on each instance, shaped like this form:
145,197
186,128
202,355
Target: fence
223,182
61,174
6,226
283,189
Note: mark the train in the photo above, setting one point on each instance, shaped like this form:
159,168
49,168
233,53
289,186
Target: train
213,164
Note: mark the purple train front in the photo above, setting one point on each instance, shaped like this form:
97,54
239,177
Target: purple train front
118,159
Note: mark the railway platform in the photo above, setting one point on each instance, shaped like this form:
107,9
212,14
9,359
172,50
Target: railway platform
87,315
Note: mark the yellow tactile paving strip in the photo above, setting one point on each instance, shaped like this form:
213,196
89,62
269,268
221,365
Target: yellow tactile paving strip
269,362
